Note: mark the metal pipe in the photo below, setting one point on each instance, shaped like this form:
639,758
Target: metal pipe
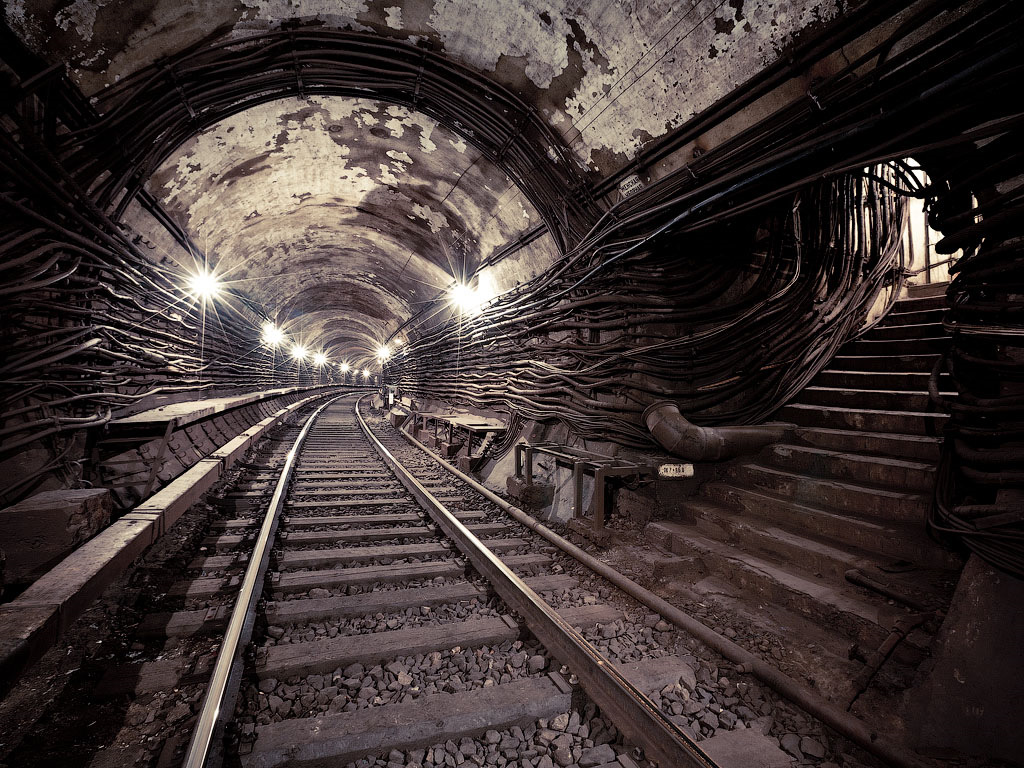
848,725
684,439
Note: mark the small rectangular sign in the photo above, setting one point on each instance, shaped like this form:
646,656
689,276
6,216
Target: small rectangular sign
669,471
630,185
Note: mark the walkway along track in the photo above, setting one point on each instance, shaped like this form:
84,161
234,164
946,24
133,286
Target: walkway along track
367,578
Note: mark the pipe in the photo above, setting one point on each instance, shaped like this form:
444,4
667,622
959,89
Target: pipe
843,722
684,439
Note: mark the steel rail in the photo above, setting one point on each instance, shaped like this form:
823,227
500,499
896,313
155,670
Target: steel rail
850,726
633,713
240,625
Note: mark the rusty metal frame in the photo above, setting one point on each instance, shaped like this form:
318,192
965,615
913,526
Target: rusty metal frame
633,713
581,462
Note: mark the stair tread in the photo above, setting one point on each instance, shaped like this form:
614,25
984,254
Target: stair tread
840,597
934,326
856,456
891,527
884,435
865,410
847,486
819,388
854,557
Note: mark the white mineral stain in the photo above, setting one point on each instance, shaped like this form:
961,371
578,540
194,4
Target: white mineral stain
80,16
434,219
400,156
481,33
393,17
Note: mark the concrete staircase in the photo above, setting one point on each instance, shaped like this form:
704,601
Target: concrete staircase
851,490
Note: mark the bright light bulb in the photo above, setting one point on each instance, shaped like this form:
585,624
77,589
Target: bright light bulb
366,373
319,359
465,299
272,335
204,285
345,367
299,352
383,353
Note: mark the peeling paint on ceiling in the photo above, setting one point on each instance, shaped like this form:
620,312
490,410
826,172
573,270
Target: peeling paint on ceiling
338,211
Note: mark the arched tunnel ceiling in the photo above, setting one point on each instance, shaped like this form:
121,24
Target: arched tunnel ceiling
341,214
609,75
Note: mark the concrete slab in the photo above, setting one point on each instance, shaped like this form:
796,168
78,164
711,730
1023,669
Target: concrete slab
38,532
346,737
746,748
971,700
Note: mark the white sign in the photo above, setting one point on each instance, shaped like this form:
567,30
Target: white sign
669,471
630,185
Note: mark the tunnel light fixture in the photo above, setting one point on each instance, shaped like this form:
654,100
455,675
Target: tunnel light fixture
319,359
204,285
383,353
345,367
299,352
366,373
272,335
465,299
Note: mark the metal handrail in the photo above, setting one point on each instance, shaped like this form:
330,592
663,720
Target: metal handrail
248,595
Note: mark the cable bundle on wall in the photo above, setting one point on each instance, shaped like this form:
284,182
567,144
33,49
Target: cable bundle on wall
696,320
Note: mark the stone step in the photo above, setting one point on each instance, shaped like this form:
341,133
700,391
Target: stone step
763,536
922,290
347,737
881,503
855,467
913,363
910,447
890,539
874,399
863,419
303,581
912,304
913,317
322,656
935,345
838,607
390,600
324,558
902,382
904,332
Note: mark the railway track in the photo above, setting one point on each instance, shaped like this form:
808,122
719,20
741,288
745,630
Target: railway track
342,599
405,620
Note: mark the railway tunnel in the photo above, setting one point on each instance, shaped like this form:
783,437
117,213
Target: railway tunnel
520,383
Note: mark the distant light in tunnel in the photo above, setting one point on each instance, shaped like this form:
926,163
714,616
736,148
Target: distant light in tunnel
272,335
465,299
319,359
383,353
366,373
299,352
204,285
345,367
